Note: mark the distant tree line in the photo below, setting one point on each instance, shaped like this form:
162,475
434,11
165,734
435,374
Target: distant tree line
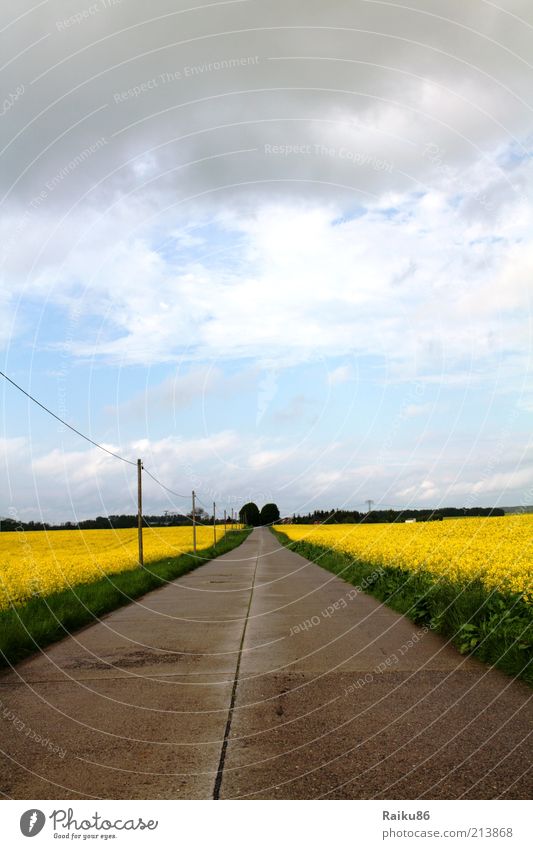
333,517
16,525
250,514
107,522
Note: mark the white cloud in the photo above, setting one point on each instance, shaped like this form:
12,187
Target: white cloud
266,459
232,468
424,259
183,389
412,411
399,230
298,285
12,445
341,374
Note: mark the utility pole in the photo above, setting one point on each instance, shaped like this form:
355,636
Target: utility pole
225,517
214,523
370,502
194,521
140,511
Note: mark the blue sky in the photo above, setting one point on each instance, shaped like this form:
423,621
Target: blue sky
292,326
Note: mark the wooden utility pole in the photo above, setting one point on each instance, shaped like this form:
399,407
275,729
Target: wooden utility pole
225,518
214,523
194,521
140,511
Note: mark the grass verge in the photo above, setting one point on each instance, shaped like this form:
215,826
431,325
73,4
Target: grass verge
45,619
495,627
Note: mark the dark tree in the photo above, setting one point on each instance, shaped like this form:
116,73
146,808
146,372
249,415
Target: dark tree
269,514
249,514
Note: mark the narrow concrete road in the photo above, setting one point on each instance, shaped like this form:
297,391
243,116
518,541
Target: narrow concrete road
260,675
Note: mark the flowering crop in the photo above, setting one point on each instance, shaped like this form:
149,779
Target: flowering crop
41,562
496,550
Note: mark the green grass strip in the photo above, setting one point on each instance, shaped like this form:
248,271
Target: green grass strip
45,619
495,627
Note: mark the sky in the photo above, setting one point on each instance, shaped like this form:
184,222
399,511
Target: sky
280,251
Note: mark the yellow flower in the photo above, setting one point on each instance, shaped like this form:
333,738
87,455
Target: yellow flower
496,550
41,562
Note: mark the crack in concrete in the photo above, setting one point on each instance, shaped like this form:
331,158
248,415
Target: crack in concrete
225,742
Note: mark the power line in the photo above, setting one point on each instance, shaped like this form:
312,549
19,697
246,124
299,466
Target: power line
70,427
178,494
91,441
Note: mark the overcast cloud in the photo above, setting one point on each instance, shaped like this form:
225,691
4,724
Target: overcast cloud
209,196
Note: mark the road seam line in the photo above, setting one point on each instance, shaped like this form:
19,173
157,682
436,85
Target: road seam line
223,751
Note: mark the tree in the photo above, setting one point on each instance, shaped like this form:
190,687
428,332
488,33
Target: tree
249,514
202,515
269,514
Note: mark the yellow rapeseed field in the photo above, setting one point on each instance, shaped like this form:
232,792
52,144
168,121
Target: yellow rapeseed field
498,550
40,562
